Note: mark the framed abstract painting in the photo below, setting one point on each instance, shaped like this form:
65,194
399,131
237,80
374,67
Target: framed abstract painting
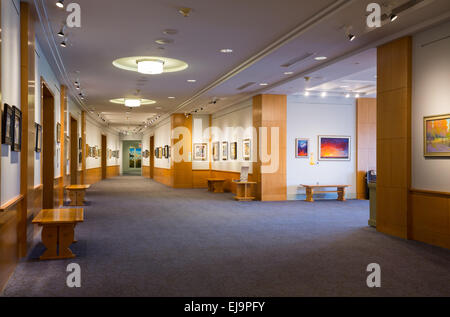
17,130
301,148
334,148
246,149
436,140
215,151
233,151
7,125
224,151
200,151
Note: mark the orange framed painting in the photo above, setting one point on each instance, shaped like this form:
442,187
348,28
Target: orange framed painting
334,148
436,139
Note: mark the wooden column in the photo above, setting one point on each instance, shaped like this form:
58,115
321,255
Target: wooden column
83,147
63,108
181,172
394,136
269,111
366,142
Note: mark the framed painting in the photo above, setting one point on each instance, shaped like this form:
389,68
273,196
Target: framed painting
301,148
246,149
215,151
17,130
166,151
58,132
7,122
131,154
80,143
436,139
200,151
38,141
138,157
163,150
334,148
224,151
233,151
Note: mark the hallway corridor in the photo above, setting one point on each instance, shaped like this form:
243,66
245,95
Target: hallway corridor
141,238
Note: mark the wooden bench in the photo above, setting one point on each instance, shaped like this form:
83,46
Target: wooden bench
58,231
76,194
311,190
216,185
242,190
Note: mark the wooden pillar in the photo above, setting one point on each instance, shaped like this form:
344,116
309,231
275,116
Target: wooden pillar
394,136
366,142
83,147
269,120
27,101
181,172
63,108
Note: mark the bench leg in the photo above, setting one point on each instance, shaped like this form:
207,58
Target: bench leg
66,238
218,187
49,238
72,197
309,195
80,197
341,194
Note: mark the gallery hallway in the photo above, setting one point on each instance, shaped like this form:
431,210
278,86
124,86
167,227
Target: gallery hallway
141,238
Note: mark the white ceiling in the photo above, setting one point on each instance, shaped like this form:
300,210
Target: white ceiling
258,31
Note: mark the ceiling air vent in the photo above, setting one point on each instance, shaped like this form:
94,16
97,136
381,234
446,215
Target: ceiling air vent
297,60
246,85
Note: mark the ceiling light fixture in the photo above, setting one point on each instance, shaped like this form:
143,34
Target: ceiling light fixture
171,97
347,96
226,50
288,73
306,93
263,84
320,58
60,4
63,43
351,37
191,80
393,17
323,94
357,96
150,67
61,32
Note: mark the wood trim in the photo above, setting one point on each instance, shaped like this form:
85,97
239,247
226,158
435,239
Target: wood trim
37,187
83,147
11,203
430,192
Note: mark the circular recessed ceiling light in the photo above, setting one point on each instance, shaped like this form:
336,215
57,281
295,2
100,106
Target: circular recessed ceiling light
191,80
263,84
150,66
163,41
320,58
171,97
132,102
226,50
288,73
323,94
132,63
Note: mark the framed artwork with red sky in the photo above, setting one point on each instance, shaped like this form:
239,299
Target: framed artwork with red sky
301,148
334,148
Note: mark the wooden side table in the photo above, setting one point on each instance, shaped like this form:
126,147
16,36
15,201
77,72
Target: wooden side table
216,185
311,190
58,231
77,194
242,190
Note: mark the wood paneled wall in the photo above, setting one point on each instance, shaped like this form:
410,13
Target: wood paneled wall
93,175
181,172
163,176
229,177
112,171
146,171
366,142
270,111
394,136
199,178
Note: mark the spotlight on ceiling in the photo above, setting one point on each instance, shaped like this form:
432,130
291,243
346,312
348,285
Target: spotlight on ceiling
306,93
357,96
351,37
132,103
63,43
60,4
393,17
347,96
151,67
61,32
323,94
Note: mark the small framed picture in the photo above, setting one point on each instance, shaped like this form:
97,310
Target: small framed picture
7,121
233,151
215,151
38,141
200,151
436,138
17,130
167,151
58,132
224,151
246,149
301,148
80,143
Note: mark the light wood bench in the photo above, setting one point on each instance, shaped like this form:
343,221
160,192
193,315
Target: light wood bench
312,189
242,190
76,194
58,231
216,185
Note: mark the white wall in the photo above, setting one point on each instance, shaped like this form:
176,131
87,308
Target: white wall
233,124
309,117
200,134
431,96
94,133
10,64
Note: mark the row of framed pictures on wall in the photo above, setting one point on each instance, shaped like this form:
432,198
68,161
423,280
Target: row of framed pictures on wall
95,152
331,148
162,152
12,127
222,151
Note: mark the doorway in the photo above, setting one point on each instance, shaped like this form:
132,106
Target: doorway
104,153
132,158
152,155
73,151
48,146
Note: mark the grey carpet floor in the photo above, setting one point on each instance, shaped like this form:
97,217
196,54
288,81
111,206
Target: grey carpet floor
141,238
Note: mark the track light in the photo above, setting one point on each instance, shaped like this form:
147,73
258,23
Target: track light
63,43
61,32
60,4
351,37
393,17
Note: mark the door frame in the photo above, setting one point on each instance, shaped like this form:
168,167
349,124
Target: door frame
104,154
73,126
48,145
